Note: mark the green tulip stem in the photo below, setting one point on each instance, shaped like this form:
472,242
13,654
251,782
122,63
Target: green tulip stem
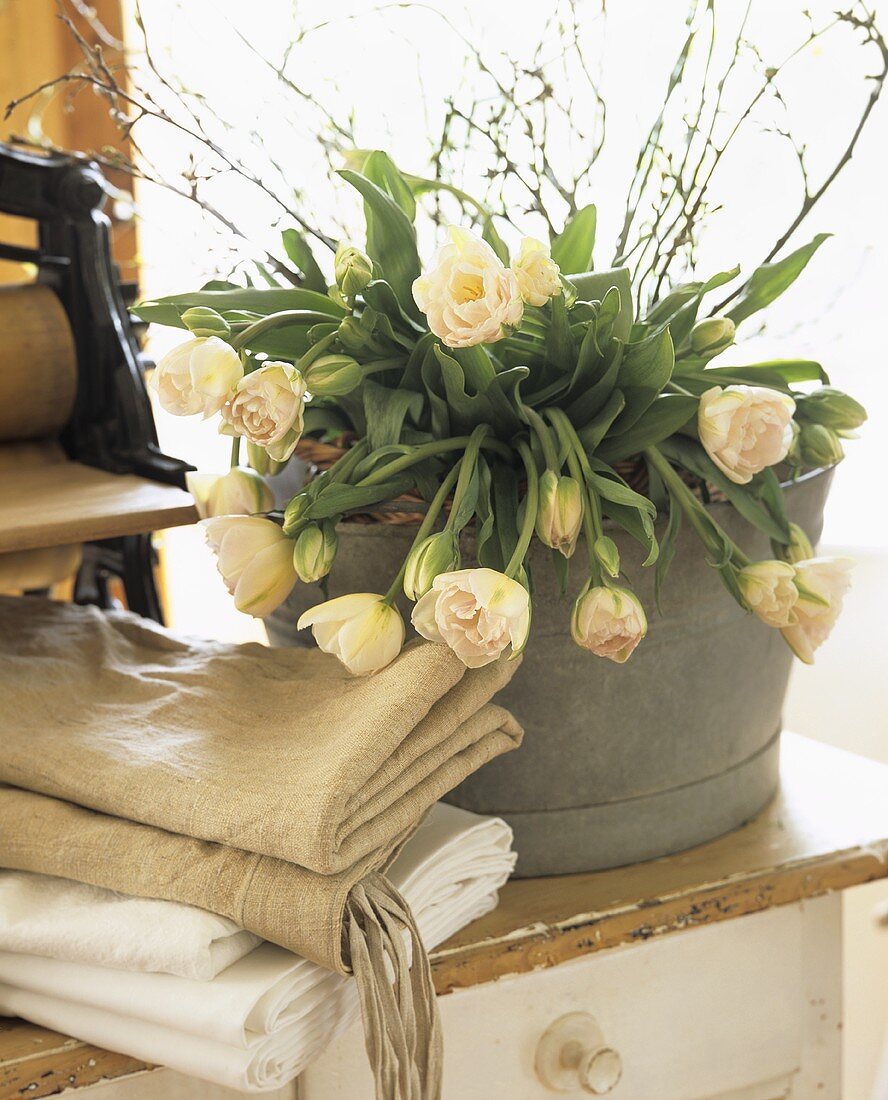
377,365
430,450
469,462
674,387
581,471
570,441
316,351
531,506
343,466
697,515
235,452
275,320
592,525
425,528
544,435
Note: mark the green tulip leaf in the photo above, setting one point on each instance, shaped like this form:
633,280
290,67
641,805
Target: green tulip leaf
770,280
391,239
381,170
490,234
665,416
779,372
645,369
572,248
680,306
592,433
385,410
297,249
340,497
667,551
594,397
259,300
593,286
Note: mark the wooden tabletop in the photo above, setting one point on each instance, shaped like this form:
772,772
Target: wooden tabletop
826,830
47,500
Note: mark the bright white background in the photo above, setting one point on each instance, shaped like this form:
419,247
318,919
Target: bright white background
395,69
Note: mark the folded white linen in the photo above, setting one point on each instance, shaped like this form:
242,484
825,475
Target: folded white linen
61,919
258,1023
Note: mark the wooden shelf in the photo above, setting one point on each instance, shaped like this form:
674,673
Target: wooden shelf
46,500
826,830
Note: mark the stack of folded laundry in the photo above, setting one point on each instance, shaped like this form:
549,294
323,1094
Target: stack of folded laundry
166,982
266,786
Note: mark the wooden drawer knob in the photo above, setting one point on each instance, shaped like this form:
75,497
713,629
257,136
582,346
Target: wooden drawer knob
572,1054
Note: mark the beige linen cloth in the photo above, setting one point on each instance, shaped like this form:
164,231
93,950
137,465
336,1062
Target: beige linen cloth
265,785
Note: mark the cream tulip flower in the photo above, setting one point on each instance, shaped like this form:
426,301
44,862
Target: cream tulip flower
745,428
255,559
769,591
468,296
267,409
196,377
478,613
240,492
828,579
536,272
361,629
609,622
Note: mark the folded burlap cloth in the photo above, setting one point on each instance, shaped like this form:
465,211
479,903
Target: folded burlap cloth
266,785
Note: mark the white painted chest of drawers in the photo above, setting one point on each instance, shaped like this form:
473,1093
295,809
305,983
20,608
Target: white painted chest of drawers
748,1009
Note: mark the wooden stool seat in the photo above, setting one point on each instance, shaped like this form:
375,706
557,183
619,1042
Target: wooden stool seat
48,500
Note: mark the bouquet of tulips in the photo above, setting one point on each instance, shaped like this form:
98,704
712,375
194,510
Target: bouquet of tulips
505,391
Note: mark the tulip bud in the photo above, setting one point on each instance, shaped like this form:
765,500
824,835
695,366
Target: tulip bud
831,408
819,446
352,269
333,375
570,293
204,321
799,548
560,512
335,295
437,554
262,462
315,551
294,513
712,336
607,555
354,339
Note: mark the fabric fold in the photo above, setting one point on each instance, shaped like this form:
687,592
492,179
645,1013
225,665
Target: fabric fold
277,751
61,919
270,1012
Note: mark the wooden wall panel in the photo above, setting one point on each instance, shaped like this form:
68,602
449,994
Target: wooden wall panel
36,46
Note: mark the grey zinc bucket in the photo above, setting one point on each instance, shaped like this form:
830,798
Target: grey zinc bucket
620,763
